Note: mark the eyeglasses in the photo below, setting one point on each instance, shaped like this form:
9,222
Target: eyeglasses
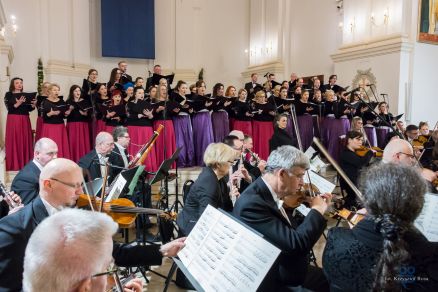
74,186
112,269
407,154
127,137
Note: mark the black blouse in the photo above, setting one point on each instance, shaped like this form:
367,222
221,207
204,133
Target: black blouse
82,105
60,105
264,116
23,109
134,109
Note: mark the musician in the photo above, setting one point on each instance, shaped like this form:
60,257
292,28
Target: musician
424,128
412,132
18,136
352,164
140,126
80,238
183,126
400,151
369,132
119,157
373,255
164,111
280,136
55,110
250,86
42,96
89,85
61,183
94,161
262,128
77,123
114,112
332,84
7,204
260,207
210,188
202,127
26,182
243,113
125,77
101,101
219,116
114,80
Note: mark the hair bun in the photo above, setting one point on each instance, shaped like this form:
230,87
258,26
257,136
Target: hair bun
389,226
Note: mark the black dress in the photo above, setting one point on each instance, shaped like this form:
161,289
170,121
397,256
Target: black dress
350,256
279,138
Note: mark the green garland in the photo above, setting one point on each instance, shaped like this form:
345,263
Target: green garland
40,75
201,74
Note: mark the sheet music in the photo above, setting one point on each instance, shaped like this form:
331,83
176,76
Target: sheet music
323,185
116,188
223,255
426,221
316,163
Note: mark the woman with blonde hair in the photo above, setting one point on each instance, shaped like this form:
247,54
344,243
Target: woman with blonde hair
210,188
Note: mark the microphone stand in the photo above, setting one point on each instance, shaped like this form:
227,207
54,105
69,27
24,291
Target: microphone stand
372,91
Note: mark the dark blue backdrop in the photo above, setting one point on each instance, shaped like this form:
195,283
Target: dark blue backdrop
128,28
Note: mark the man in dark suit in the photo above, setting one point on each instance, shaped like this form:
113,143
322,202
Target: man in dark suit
60,186
250,86
125,78
119,158
26,182
332,84
260,207
93,163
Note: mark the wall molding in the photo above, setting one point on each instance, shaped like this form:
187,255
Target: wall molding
6,49
188,75
65,68
275,67
374,47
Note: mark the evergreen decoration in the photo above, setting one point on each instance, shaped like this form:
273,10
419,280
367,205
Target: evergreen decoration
40,75
201,74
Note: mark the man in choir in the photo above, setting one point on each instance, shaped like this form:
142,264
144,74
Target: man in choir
260,207
400,151
60,186
83,235
125,78
293,80
26,182
119,158
332,84
249,87
156,70
93,163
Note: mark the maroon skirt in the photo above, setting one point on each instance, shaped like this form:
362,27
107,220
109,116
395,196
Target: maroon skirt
139,136
39,128
244,126
19,141
100,127
232,121
109,129
165,143
262,132
79,139
58,133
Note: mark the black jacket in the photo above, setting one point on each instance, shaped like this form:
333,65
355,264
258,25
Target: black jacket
257,208
207,190
116,163
279,138
90,164
26,183
350,255
15,232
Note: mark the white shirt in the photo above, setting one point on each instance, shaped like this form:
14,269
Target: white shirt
277,201
102,162
122,153
50,209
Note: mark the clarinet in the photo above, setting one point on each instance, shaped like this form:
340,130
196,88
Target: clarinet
4,193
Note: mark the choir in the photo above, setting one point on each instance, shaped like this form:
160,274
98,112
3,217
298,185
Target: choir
192,118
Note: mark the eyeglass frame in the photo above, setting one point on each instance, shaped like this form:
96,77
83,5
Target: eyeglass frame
67,184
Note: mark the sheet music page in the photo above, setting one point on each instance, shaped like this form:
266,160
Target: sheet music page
223,255
116,189
426,221
323,185
316,163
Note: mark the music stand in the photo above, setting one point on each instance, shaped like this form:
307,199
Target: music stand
163,173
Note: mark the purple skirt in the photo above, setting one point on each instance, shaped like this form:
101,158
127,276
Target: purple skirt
381,133
371,135
335,128
184,139
202,135
305,126
19,141
220,124
316,126
290,127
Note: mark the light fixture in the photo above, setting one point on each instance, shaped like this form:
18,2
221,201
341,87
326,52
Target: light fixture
386,16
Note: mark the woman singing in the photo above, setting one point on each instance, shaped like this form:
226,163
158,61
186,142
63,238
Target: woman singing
19,140
243,114
264,114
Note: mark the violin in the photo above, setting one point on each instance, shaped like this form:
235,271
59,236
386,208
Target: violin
122,210
293,201
419,142
363,150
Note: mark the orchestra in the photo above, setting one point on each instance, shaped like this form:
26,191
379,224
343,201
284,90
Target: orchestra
245,138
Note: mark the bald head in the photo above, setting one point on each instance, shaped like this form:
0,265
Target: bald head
60,182
398,151
45,150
